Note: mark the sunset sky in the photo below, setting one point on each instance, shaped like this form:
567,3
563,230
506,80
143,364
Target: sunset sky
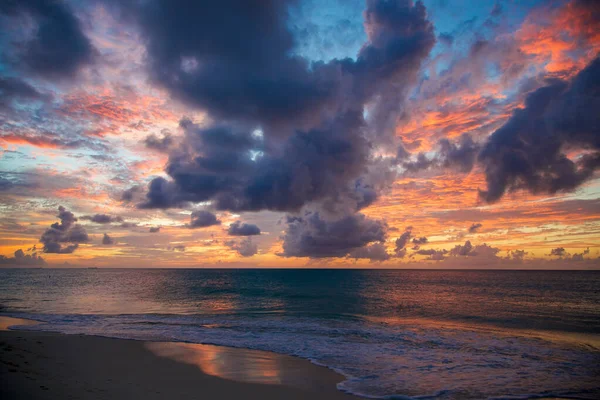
300,133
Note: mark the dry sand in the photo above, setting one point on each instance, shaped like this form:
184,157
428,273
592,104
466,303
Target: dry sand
44,365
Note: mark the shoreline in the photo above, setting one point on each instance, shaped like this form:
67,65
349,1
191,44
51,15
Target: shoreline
50,365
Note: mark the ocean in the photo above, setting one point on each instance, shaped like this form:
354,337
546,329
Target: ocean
394,334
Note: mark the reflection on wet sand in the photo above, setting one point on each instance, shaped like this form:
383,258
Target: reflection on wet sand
241,365
7,323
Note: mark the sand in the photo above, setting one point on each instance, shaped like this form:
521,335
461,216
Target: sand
44,365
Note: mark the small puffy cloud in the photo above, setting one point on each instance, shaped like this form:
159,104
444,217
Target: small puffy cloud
202,219
475,227
516,255
107,240
245,247
243,229
157,143
373,252
129,194
417,242
402,241
64,237
579,256
468,250
558,252
154,229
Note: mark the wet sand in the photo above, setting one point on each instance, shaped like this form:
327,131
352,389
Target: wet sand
44,365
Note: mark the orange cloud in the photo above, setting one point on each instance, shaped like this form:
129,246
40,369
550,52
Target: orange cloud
564,39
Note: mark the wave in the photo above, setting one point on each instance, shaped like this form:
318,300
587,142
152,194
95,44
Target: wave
414,359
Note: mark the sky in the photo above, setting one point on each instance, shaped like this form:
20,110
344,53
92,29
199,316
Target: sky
300,133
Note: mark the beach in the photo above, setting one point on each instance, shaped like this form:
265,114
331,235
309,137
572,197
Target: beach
443,334
46,365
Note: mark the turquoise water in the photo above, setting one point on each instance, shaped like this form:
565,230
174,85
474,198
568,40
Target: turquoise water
393,334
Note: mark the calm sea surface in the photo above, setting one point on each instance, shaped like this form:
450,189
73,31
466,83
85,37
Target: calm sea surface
393,334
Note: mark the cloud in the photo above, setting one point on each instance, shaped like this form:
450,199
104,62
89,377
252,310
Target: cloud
243,229
154,229
558,252
460,155
245,247
102,218
202,219
107,240
58,48
22,259
402,241
224,171
129,194
316,237
161,144
579,256
433,254
468,250
516,255
564,255
64,237
475,227
283,133
529,151
417,242
373,252
12,88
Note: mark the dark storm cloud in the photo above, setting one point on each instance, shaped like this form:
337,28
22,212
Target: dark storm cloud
244,247
107,240
64,237
530,151
243,229
314,236
475,227
313,165
102,218
195,51
22,259
58,48
284,133
318,106
202,219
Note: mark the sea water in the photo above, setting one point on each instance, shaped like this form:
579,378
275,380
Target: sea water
394,334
